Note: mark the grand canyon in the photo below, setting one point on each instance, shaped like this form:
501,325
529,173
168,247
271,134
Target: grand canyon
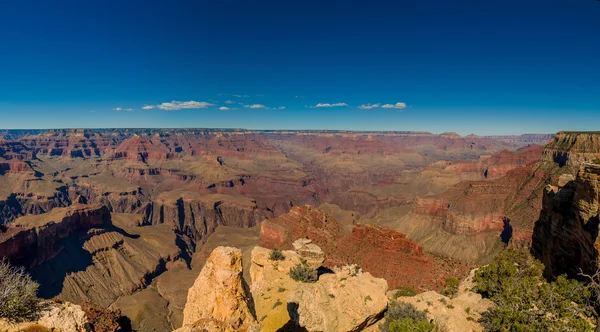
125,219
299,166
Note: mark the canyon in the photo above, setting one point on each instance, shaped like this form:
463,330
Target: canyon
127,218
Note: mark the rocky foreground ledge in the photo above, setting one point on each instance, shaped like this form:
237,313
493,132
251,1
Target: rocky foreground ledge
342,299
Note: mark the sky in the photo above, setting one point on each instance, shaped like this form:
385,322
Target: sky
483,67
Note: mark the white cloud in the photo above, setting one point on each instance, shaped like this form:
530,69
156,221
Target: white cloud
398,105
369,106
224,108
281,107
256,106
331,105
229,102
147,107
177,105
240,96
122,109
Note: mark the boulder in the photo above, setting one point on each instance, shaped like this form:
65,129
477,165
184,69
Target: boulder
218,300
347,300
309,252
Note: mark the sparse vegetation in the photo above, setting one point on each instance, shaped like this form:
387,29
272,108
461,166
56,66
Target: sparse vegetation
368,298
304,273
451,287
526,301
404,291
402,317
276,255
277,304
281,289
18,299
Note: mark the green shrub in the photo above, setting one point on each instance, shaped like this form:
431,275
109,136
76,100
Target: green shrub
451,287
408,325
526,301
18,300
276,255
304,273
404,291
405,317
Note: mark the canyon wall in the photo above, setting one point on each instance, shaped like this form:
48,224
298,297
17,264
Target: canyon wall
565,237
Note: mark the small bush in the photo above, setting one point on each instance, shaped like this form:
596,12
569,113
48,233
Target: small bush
451,287
280,289
405,317
304,273
404,291
18,300
276,255
277,304
409,325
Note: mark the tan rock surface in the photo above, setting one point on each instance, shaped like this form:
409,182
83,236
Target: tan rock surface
339,302
271,284
64,317
309,252
218,300
458,314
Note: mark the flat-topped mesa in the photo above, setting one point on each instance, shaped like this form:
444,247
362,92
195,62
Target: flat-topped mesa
573,148
143,148
565,237
33,239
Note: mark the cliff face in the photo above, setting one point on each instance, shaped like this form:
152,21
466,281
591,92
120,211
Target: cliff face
572,149
32,240
565,238
199,216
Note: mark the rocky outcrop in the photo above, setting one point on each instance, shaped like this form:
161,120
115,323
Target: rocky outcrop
457,314
309,252
347,300
219,300
572,148
565,237
59,317
32,240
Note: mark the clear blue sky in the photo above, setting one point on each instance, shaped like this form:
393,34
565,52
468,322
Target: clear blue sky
484,67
